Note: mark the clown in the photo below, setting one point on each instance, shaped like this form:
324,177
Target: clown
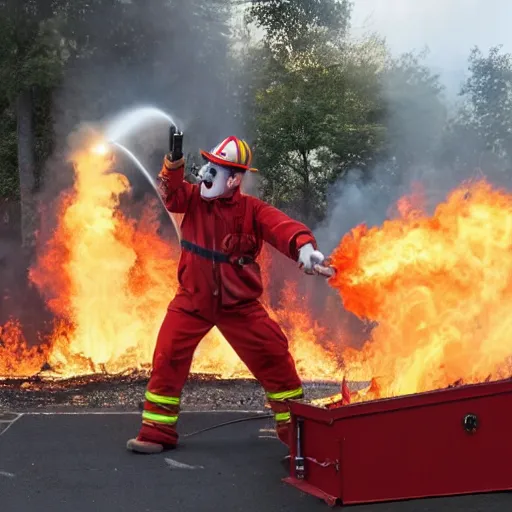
220,284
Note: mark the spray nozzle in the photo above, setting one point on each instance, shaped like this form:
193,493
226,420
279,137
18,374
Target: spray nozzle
175,143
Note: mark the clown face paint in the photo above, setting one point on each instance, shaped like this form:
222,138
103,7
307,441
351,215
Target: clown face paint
215,181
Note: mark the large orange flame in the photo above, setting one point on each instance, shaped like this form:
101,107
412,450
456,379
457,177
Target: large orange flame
108,279
439,288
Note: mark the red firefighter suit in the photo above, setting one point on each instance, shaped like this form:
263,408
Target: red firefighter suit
220,285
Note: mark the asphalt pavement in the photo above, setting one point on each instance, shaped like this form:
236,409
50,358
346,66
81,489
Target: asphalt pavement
77,462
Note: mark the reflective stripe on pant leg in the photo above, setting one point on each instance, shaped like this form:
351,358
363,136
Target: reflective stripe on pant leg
161,409
278,403
286,395
162,400
283,417
159,418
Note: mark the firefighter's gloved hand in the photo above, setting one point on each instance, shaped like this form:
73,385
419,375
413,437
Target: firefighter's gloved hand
170,165
309,257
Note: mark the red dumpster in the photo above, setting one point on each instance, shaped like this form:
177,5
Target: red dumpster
449,442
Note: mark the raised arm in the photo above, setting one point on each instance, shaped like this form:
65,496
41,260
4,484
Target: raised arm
174,190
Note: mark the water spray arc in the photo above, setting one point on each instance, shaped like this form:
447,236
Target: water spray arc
123,125
127,121
148,176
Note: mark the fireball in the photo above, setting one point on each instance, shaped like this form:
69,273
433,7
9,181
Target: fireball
439,289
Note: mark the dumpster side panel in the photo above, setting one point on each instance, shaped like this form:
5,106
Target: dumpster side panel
427,451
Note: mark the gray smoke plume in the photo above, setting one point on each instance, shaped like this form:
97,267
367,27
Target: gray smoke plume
422,147
449,28
173,55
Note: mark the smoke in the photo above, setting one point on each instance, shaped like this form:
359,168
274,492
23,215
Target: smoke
449,28
421,147
173,55
352,202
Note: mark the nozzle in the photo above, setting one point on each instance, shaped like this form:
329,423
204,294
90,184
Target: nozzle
325,271
175,143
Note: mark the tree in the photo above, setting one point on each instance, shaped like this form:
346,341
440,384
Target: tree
64,62
289,24
30,62
480,134
315,111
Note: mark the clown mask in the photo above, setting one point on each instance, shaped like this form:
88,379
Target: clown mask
217,181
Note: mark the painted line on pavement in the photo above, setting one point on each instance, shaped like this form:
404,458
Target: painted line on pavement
10,424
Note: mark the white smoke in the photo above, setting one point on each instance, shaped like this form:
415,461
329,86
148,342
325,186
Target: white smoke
448,29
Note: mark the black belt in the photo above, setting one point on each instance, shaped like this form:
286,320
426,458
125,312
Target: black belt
217,257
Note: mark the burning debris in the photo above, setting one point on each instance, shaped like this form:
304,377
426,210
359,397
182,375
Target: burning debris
125,392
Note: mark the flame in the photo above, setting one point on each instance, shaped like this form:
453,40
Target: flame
439,289
108,280
16,358
100,148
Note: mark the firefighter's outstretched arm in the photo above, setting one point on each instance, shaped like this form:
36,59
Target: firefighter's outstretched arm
175,191
288,236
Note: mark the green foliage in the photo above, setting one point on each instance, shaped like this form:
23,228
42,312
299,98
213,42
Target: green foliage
313,123
479,136
32,57
32,52
289,24
111,54
489,91
316,109
324,105
314,103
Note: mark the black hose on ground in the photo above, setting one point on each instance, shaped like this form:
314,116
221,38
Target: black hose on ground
219,425
232,422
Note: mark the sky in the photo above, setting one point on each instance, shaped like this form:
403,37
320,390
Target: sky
449,28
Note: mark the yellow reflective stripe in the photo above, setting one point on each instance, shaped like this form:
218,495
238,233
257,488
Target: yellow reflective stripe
159,418
283,416
286,395
241,149
162,400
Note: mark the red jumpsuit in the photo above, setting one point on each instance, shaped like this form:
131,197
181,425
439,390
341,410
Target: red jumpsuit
219,285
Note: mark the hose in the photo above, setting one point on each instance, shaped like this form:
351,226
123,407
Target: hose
232,422
225,424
